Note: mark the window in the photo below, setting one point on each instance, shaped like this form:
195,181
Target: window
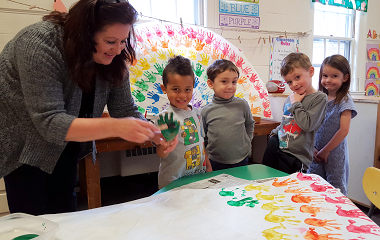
171,10
333,34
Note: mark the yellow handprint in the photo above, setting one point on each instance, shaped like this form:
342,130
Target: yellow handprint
205,59
144,64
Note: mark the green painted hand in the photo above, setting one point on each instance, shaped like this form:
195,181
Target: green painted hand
169,127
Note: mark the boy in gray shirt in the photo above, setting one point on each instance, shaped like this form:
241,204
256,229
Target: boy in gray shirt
290,147
227,121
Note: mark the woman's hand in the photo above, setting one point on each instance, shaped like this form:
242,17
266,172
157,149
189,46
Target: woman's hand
135,130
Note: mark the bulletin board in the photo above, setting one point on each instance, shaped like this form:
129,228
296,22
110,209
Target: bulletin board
279,49
372,82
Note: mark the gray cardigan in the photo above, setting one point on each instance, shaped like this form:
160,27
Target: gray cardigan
38,100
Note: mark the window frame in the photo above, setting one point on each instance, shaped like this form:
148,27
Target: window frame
352,41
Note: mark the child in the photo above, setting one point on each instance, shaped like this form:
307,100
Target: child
290,147
189,156
331,154
227,120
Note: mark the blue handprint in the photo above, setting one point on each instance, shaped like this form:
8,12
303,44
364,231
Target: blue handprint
152,109
205,97
158,88
153,96
202,87
196,82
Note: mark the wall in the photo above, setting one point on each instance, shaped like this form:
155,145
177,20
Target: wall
275,16
294,17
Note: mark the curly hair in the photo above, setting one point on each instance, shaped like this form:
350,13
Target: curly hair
80,24
177,65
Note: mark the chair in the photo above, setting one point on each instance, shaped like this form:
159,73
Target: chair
371,187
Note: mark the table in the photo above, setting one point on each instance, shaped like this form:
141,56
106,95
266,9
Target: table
296,206
249,172
90,172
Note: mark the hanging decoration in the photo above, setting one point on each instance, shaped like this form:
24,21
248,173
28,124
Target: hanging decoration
360,5
59,6
157,42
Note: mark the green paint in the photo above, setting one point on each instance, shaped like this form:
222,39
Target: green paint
25,237
141,84
142,110
150,77
226,193
138,95
245,201
159,68
172,126
199,70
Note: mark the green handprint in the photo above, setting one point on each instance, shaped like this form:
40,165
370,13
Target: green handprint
199,70
169,127
140,109
159,68
150,77
141,84
138,95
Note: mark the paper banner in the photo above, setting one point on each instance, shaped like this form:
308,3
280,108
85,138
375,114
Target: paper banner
156,43
298,206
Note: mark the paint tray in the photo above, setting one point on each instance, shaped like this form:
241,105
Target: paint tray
24,226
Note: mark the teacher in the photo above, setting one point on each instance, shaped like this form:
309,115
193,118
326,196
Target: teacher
56,77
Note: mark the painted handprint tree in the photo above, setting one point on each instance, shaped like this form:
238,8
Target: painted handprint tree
157,42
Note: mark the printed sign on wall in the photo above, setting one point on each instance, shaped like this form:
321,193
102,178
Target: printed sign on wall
239,13
280,48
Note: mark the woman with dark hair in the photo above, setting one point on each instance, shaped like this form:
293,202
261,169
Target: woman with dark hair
56,76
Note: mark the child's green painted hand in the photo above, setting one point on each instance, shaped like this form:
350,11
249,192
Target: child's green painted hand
169,128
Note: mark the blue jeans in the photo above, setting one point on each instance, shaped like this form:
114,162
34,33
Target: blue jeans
220,166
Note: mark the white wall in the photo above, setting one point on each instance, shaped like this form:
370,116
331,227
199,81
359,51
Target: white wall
294,16
275,16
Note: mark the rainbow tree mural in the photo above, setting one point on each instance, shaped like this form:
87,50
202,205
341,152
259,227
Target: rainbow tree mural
157,42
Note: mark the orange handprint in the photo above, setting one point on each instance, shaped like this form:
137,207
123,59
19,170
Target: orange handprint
327,224
286,182
198,45
299,198
297,190
313,235
310,209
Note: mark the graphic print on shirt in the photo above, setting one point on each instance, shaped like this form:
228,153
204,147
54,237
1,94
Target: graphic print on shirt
193,157
289,129
189,131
